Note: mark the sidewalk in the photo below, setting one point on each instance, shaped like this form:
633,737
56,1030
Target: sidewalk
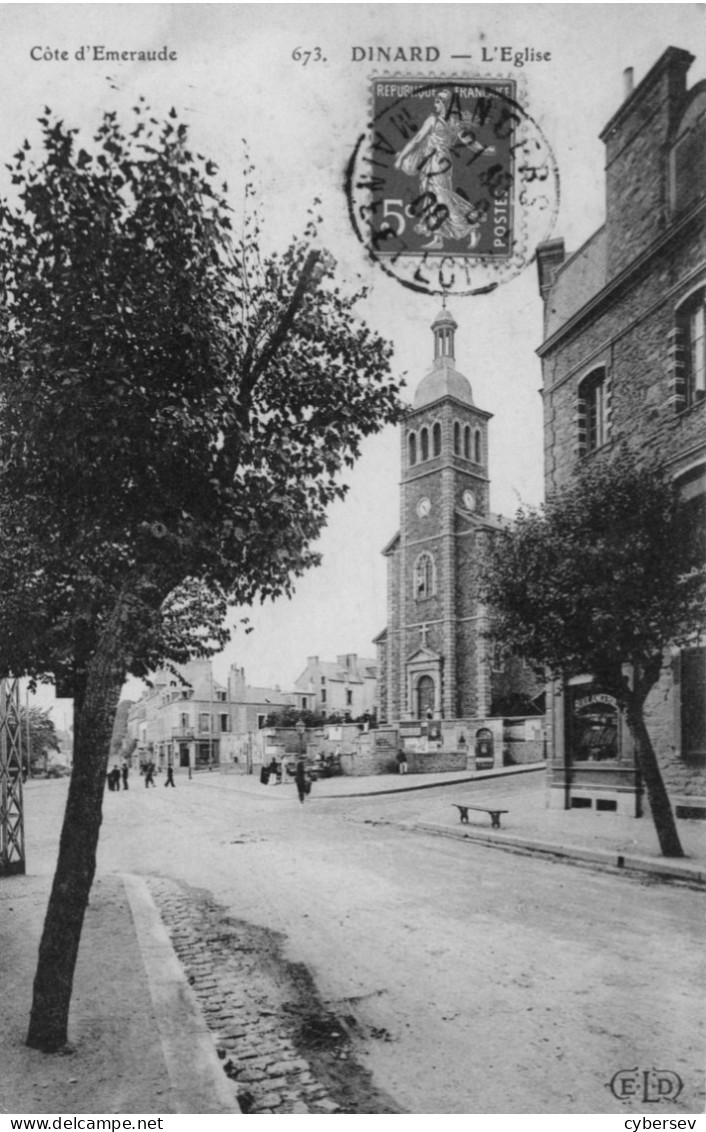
138,1040
603,839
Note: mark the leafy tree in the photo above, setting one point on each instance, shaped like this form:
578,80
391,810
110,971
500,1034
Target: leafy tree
175,410
602,580
37,724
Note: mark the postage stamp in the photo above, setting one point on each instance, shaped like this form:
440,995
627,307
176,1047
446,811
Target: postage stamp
453,184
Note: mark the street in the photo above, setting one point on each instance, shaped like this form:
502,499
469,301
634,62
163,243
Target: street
473,979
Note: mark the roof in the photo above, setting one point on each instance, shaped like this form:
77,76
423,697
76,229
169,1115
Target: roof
443,381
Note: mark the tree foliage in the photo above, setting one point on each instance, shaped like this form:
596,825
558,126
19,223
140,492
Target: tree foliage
173,405
37,725
175,412
600,581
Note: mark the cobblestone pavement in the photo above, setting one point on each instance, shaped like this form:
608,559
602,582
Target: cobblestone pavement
283,1050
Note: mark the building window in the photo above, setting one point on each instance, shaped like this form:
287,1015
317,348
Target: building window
323,695
424,577
349,697
305,703
457,439
592,412
220,697
323,679
185,725
225,722
424,444
693,706
261,721
436,439
412,449
204,721
467,442
689,353
692,514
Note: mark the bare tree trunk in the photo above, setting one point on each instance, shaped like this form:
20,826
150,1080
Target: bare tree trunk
661,807
76,863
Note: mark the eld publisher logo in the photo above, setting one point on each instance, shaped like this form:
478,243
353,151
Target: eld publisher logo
647,1085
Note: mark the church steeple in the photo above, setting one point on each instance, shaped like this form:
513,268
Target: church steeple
444,327
443,379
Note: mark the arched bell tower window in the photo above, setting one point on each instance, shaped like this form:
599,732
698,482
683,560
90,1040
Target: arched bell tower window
424,444
424,577
436,439
412,449
477,447
457,439
467,442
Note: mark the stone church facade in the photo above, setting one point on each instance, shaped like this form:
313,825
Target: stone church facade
433,661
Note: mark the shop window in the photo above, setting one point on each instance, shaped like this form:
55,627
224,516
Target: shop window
424,444
592,412
436,439
424,577
593,726
412,449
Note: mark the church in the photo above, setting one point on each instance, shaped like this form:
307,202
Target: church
433,660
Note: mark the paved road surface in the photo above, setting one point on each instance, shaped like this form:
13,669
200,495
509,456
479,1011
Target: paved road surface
494,982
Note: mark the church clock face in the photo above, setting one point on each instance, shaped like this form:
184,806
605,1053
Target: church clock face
423,507
469,500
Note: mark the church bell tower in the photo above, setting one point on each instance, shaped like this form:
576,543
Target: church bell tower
434,657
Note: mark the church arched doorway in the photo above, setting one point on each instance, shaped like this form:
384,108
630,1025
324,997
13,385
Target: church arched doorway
425,696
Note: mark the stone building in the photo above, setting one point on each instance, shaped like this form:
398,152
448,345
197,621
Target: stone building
624,359
344,687
197,721
433,661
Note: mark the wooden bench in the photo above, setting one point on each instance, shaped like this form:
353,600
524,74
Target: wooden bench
494,814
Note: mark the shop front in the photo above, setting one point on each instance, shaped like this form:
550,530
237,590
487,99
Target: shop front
593,765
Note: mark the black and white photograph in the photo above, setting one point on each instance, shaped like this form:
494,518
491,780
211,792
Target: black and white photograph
352,563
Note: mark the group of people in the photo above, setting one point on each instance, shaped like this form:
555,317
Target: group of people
116,774
277,772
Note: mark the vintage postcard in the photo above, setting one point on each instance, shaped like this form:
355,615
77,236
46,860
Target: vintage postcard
363,859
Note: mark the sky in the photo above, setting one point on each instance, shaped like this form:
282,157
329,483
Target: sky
236,79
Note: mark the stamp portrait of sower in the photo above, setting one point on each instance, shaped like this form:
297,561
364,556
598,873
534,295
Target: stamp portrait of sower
429,155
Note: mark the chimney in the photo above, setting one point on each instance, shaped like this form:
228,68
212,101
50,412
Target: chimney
628,82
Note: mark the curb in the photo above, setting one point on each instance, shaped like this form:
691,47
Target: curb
197,1081
474,776
607,858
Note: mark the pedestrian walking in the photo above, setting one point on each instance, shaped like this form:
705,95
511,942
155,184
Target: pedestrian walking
402,762
124,770
149,774
169,781
303,783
